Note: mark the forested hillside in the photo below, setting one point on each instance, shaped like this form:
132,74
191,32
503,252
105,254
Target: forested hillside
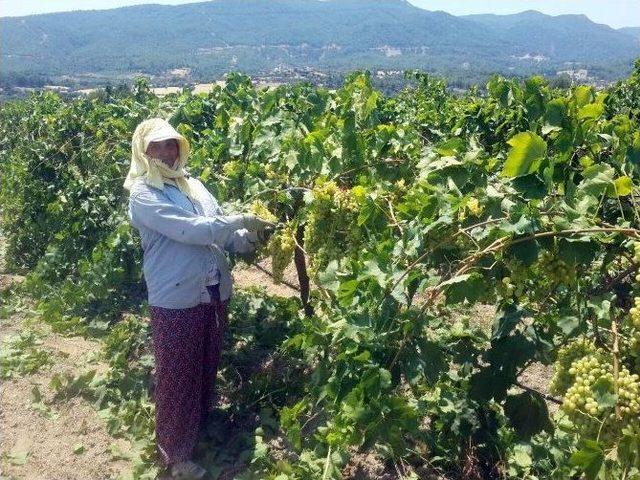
258,37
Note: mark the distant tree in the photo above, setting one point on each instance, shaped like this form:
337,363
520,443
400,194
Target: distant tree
141,88
561,81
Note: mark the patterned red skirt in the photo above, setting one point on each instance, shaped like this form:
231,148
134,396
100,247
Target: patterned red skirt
187,345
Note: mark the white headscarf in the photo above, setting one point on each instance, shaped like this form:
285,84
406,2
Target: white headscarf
153,170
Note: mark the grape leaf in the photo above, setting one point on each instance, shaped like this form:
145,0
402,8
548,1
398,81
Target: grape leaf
528,414
602,389
527,152
589,459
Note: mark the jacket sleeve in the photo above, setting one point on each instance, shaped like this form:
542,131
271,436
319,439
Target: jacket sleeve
242,241
152,210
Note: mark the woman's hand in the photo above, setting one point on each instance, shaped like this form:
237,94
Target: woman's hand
254,223
265,234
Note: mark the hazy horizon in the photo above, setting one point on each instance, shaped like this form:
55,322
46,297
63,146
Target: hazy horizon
616,13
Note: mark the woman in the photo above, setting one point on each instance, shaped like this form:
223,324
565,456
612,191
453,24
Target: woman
183,232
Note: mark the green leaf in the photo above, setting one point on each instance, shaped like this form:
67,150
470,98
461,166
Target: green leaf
363,356
346,291
506,320
521,458
78,448
530,186
591,111
291,159
526,252
577,250
602,389
328,278
622,186
527,152
568,324
468,287
489,383
583,95
528,414
597,179
589,459
556,112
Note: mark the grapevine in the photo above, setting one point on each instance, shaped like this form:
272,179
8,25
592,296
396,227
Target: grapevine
410,212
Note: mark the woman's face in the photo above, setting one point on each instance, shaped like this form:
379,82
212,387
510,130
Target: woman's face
166,150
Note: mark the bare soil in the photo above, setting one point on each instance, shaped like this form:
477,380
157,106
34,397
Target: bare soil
40,445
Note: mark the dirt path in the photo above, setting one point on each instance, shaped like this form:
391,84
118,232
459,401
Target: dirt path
38,439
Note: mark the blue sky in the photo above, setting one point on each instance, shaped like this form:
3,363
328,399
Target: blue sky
617,13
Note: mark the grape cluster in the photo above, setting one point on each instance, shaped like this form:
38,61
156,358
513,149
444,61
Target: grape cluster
634,313
232,168
629,393
557,270
260,209
563,376
600,420
514,284
473,205
632,347
331,227
586,371
470,208
281,247
636,252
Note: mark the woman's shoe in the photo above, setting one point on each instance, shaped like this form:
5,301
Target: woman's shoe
188,470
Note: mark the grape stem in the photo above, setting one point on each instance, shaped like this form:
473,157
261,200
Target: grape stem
546,396
283,281
326,464
615,351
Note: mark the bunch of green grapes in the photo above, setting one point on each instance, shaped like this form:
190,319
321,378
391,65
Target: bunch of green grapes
272,174
557,270
636,252
232,168
563,376
281,247
632,347
514,284
600,420
331,229
259,209
470,208
579,398
634,313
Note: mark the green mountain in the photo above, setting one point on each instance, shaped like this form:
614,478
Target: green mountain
261,37
565,38
633,31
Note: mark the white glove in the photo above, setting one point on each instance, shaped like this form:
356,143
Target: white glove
255,223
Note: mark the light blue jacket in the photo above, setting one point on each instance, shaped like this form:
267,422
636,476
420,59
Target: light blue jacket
180,239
